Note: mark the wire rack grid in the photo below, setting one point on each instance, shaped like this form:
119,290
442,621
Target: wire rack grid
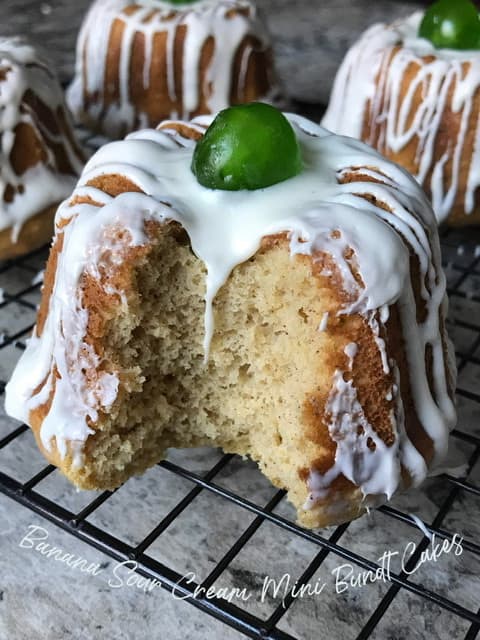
462,263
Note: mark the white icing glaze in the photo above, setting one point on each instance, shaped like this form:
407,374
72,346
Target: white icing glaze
203,20
42,185
369,85
225,229
361,456
324,322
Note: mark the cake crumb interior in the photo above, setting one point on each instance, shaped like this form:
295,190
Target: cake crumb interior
267,357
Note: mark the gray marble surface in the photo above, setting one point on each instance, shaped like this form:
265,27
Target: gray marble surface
41,598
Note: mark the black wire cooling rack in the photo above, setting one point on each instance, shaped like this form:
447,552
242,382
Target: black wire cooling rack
462,262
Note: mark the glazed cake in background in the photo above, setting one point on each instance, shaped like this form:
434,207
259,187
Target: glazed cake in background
40,159
140,63
419,106
302,324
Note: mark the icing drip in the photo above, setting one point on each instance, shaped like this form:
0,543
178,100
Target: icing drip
361,456
370,91
320,214
422,526
324,322
42,185
202,20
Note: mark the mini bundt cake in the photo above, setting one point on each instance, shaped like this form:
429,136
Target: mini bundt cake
418,103
262,286
40,160
139,63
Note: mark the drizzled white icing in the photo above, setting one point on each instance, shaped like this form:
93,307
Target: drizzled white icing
361,455
203,20
324,322
41,185
370,88
225,229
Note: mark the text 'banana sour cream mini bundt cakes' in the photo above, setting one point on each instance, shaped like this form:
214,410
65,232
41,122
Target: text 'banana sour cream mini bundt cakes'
139,63
256,284
40,160
412,91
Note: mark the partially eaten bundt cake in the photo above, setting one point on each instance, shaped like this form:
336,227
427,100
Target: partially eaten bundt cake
139,63
265,287
40,160
412,90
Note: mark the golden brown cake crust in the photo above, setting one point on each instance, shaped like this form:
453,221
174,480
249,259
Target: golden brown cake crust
35,233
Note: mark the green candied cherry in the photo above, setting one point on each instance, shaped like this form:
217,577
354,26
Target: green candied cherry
250,146
452,24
